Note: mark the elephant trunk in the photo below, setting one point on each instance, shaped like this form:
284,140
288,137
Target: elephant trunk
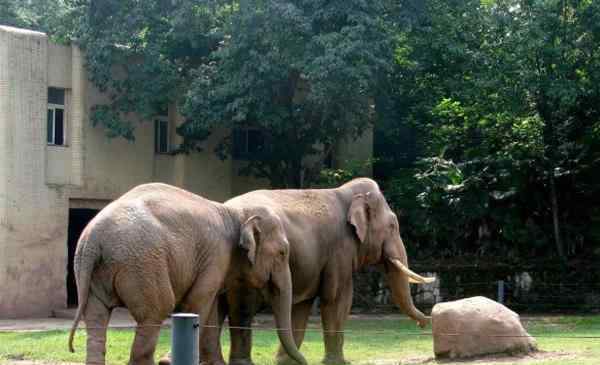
281,301
399,278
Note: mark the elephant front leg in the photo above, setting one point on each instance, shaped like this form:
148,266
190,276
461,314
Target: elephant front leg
300,315
243,303
333,316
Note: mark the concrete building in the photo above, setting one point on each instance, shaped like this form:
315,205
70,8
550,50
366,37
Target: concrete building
57,170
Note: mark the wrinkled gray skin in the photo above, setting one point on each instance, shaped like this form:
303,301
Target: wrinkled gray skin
332,232
159,248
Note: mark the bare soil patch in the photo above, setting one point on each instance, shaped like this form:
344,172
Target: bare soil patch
422,360
486,360
32,362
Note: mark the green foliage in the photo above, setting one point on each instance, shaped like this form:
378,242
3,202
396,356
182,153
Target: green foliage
9,14
334,177
504,99
302,72
55,17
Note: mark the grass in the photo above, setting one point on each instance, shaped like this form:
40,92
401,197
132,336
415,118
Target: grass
381,341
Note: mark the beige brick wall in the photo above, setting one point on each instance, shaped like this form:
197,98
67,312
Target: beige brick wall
59,66
33,216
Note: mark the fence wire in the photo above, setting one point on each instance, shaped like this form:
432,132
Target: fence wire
346,331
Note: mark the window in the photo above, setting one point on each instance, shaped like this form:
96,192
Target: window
56,117
328,159
247,143
161,135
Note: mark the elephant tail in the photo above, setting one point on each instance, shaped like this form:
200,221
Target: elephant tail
86,258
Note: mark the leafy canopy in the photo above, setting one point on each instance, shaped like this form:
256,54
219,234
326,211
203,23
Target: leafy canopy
302,72
504,98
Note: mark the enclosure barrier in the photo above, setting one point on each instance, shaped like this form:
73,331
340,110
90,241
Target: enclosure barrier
185,339
367,332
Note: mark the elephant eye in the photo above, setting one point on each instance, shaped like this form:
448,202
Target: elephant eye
282,252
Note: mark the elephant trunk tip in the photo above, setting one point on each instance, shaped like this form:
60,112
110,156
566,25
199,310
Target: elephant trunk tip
71,348
423,322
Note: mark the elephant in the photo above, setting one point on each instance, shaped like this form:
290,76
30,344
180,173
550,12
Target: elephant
332,233
159,248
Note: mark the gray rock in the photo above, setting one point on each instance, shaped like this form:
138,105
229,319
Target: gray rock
477,326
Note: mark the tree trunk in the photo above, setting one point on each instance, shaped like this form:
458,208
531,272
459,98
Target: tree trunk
294,173
551,142
555,220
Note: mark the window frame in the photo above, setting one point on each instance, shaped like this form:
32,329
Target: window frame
54,107
247,154
157,121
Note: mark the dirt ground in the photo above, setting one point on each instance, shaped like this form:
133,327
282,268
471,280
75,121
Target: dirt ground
487,360
27,362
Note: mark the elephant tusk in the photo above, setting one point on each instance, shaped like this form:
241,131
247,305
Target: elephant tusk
413,277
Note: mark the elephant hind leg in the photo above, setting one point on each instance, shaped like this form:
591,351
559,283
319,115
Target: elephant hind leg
300,315
146,334
96,317
144,344
202,300
149,313
150,300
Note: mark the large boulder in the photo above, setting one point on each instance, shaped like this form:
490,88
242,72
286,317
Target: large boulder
477,326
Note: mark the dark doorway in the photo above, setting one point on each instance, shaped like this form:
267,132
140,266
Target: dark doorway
78,219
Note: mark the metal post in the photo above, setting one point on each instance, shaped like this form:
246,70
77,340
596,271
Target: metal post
501,291
185,339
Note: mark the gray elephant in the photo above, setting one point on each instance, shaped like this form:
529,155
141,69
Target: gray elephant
159,248
332,233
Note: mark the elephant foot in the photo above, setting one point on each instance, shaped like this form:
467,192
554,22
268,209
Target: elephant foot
335,360
165,360
285,360
244,361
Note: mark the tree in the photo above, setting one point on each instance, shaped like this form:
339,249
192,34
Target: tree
302,72
505,98
9,15
54,17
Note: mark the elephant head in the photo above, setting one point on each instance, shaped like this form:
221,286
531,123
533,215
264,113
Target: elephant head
265,247
377,229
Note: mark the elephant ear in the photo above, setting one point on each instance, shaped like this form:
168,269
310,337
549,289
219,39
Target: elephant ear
249,236
358,215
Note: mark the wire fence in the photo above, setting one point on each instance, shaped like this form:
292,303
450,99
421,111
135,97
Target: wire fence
533,291
535,296
362,332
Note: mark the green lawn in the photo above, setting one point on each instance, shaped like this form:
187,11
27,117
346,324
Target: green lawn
378,341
